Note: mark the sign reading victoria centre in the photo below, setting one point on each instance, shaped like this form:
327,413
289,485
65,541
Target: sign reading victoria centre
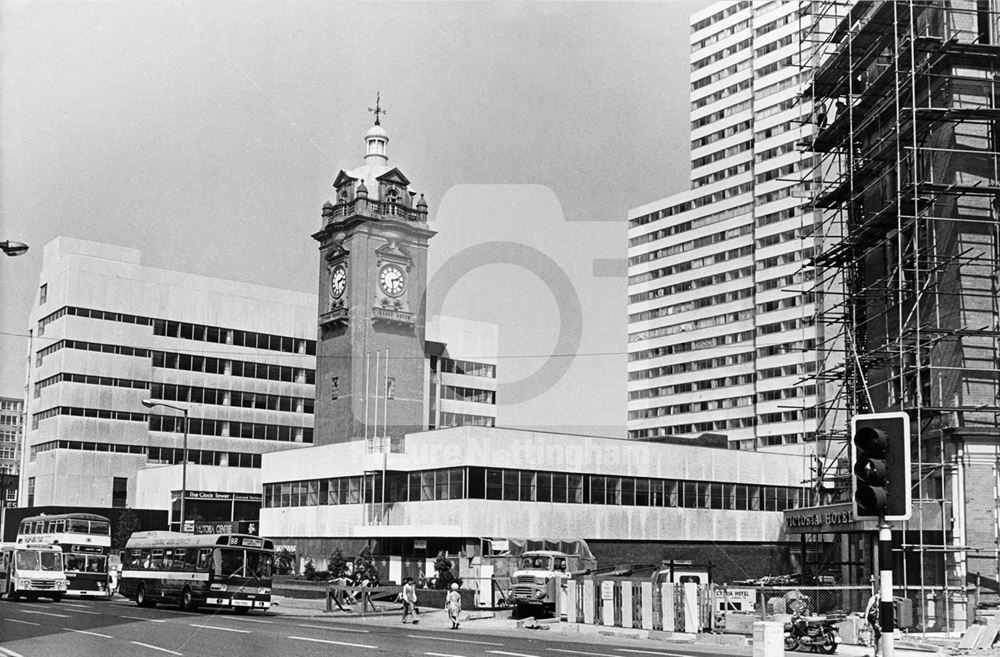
831,519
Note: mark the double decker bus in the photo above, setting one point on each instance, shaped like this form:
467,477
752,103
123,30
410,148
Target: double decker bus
191,570
85,539
32,570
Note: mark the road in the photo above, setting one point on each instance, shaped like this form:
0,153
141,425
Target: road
119,628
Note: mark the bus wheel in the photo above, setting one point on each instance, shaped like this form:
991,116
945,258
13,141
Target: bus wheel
186,602
242,611
141,599
57,597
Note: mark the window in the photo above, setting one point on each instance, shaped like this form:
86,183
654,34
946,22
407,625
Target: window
31,491
119,492
43,293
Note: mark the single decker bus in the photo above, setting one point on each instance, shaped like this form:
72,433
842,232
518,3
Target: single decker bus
191,570
85,539
32,571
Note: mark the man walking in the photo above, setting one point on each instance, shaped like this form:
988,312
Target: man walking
409,596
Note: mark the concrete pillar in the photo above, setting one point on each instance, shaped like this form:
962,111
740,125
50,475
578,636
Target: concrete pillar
691,609
572,589
608,602
588,601
646,592
667,607
768,639
626,604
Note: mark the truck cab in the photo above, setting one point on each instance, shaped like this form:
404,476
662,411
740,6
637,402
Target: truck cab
538,579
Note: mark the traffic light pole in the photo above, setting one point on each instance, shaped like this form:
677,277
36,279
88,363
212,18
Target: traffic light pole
886,609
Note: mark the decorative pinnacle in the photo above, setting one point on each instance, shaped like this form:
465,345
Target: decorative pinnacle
377,110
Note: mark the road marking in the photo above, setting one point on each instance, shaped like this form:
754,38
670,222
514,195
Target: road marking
650,652
224,629
139,618
10,653
146,645
512,654
103,636
577,652
335,643
335,627
45,613
70,604
441,654
429,637
249,620
14,620
80,611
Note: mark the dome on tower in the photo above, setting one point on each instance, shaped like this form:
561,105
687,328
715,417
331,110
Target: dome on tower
376,131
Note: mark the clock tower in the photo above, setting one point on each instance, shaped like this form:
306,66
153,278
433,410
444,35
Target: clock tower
372,281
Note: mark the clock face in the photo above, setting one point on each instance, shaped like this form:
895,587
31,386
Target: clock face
392,280
338,281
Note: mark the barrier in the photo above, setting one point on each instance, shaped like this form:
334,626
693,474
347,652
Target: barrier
637,604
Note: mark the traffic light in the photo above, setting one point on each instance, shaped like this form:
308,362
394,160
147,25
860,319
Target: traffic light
880,451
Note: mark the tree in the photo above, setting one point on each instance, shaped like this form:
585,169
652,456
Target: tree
126,523
283,561
336,565
364,567
442,565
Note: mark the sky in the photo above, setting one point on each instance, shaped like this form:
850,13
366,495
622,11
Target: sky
208,134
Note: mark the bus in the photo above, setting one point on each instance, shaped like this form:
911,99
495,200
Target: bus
85,539
191,570
32,570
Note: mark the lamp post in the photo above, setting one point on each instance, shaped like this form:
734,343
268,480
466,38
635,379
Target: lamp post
13,248
150,403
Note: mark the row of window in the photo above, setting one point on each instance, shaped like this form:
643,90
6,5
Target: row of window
188,331
693,284
735,28
719,16
694,304
89,379
692,366
229,367
696,263
191,362
648,433
196,426
681,226
466,367
532,486
725,92
691,386
694,345
692,325
719,135
232,429
692,407
721,54
237,398
11,405
163,455
720,175
8,436
459,393
690,245
724,154
465,420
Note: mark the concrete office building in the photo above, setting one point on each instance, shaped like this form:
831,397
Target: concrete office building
11,427
721,303
108,332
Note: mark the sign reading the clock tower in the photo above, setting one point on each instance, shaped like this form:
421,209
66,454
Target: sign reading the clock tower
372,281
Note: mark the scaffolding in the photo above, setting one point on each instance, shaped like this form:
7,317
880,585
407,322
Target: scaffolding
905,187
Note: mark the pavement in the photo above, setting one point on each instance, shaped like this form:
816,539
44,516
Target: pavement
500,623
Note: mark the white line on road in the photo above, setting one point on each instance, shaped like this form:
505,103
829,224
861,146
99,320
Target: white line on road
45,613
335,643
103,636
70,604
10,653
224,629
441,654
335,627
14,620
577,652
512,654
431,637
650,652
146,645
249,620
148,620
80,611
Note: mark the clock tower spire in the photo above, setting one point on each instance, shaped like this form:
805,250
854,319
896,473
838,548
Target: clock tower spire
372,280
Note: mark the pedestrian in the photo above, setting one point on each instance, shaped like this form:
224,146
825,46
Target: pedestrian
409,598
872,616
453,605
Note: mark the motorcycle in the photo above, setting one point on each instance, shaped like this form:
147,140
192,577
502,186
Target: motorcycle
816,632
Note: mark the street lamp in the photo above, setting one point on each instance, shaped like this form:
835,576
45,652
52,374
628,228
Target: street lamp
14,248
149,403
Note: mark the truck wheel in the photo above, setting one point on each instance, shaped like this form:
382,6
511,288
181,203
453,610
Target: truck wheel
12,594
186,603
57,597
520,610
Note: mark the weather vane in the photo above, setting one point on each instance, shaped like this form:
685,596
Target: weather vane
378,108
